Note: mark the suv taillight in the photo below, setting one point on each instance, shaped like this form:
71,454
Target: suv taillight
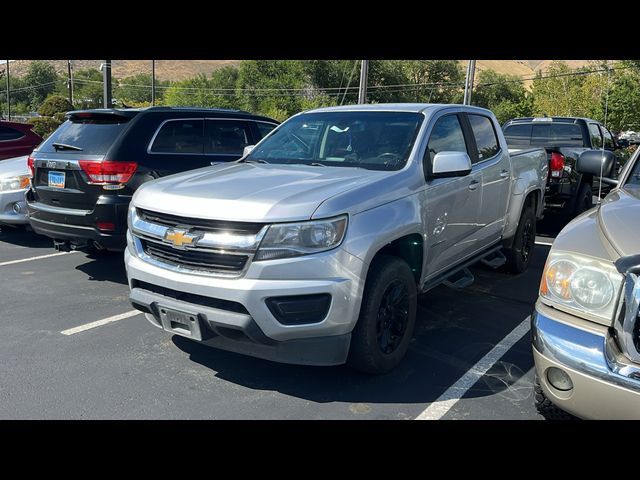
556,165
107,172
32,168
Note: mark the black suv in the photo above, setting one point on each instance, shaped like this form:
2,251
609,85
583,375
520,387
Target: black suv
85,173
568,192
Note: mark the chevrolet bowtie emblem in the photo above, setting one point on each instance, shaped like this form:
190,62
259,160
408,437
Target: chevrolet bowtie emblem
181,238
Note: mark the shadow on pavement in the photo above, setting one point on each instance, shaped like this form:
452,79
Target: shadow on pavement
25,238
455,329
104,266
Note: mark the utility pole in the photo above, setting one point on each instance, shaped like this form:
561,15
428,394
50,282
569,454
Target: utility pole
106,82
468,85
8,95
364,73
70,82
153,82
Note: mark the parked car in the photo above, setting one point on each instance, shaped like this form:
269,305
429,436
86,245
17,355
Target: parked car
568,192
85,173
312,248
586,324
17,139
14,182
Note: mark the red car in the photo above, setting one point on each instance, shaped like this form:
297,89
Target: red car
17,139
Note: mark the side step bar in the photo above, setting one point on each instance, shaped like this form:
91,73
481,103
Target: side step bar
495,260
460,276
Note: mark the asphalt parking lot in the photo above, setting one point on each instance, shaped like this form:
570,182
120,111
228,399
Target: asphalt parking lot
73,349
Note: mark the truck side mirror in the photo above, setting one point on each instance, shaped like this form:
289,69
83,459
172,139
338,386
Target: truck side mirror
450,164
596,163
247,150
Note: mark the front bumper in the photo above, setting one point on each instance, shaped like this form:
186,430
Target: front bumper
8,201
257,331
606,385
80,225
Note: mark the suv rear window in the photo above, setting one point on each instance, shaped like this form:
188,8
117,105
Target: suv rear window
547,134
93,136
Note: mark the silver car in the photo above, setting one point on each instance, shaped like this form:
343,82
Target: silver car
586,324
14,181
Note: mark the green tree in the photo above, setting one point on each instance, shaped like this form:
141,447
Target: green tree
41,78
87,84
136,90
436,81
504,95
216,92
624,101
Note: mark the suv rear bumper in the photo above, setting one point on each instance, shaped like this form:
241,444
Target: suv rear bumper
606,385
80,225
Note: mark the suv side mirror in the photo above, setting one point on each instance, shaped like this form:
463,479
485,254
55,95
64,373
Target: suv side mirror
450,164
247,150
596,163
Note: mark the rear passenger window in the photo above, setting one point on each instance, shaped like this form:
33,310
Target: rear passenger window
264,128
7,133
486,139
446,136
596,136
179,136
226,137
518,135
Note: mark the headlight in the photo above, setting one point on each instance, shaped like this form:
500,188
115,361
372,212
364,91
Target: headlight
581,285
14,183
287,240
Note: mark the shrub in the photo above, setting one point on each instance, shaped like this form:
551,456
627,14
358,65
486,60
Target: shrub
44,126
54,104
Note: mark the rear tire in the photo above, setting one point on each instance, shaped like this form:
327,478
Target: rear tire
387,318
584,200
521,251
546,407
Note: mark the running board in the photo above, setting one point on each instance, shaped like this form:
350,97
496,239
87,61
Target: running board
451,278
461,279
495,260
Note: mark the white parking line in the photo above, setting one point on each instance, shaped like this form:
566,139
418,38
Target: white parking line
12,262
99,323
455,392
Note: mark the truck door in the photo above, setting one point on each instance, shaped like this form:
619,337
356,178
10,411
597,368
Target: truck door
493,164
450,206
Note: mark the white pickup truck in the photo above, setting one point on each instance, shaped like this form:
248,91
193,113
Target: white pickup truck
313,247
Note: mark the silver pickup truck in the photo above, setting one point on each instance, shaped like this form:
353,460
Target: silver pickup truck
312,248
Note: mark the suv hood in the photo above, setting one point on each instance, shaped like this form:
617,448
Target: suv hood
251,192
619,218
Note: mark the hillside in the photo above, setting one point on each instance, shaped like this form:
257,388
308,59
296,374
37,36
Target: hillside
181,69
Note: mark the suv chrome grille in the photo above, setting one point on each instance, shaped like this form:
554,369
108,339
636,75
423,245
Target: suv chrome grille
627,324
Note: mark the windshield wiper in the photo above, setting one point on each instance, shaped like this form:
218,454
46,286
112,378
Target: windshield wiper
64,146
252,161
316,164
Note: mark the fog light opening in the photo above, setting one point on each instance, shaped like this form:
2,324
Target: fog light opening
559,379
19,208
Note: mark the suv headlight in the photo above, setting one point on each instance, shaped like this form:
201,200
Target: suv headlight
14,183
286,240
580,285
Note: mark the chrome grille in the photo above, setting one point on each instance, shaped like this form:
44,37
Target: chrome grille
195,259
627,324
200,224
219,248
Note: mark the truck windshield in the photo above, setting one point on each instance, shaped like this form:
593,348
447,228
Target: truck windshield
634,176
371,140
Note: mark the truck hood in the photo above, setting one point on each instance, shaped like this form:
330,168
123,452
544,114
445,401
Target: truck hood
619,218
251,192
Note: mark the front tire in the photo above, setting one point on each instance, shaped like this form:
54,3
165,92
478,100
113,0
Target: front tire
387,318
584,200
521,251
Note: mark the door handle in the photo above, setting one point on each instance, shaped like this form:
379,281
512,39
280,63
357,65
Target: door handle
504,173
473,185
